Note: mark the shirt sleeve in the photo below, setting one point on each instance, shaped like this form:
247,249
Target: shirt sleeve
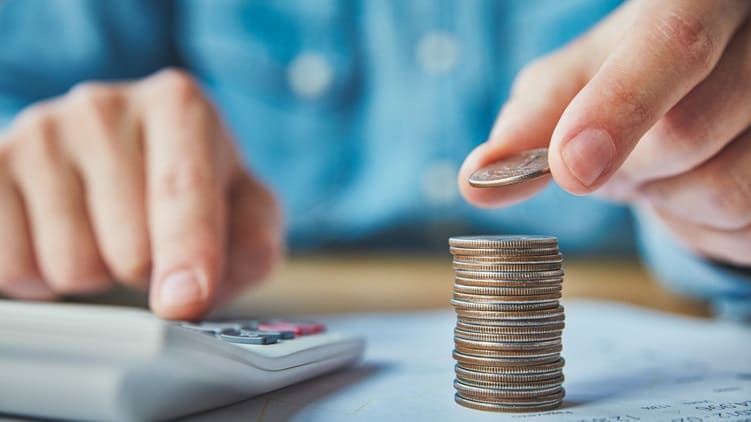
725,287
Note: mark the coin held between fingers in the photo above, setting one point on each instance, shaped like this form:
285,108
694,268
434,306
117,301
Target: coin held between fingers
522,167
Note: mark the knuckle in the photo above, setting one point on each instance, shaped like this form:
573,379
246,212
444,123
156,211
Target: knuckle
179,88
729,197
684,132
99,106
185,178
36,139
99,101
688,34
635,109
35,120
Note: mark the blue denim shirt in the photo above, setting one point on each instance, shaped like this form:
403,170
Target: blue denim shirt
358,113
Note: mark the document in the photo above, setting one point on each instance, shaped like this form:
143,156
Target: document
623,363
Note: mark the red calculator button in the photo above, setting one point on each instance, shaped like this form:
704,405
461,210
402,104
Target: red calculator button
299,328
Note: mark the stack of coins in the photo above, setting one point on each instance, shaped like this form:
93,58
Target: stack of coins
509,322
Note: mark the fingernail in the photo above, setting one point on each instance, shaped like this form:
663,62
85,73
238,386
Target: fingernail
180,289
588,154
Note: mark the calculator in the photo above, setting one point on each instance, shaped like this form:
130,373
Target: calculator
92,362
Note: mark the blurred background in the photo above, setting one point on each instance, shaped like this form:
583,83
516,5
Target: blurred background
358,114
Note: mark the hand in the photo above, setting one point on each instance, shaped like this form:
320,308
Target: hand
652,107
136,182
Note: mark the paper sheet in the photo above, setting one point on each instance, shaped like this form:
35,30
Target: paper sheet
622,364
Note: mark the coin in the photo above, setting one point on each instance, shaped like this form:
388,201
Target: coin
499,393
504,306
506,407
494,329
468,375
514,385
509,275
520,259
506,291
552,366
508,355
507,267
505,299
491,345
523,338
517,360
521,167
511,315
549,282
503,252
503,241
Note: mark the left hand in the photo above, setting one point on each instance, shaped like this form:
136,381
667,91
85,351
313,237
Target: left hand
651,107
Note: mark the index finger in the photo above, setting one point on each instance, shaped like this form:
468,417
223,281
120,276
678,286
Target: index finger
186,197
669,50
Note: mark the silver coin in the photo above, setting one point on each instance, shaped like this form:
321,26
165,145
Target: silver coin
503,241
490,393
539,323
509,275
511,338
516,259
507,346
497,366
496,283
504,252
527,165
505,306
554,327
494,406
555,364
507,267
504,378
506,299
506,291
514,385
469,360
505,316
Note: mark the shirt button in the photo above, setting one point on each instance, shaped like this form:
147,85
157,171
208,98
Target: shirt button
437,52
309,75
438,182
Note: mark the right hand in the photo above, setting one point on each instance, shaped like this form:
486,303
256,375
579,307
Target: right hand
135,182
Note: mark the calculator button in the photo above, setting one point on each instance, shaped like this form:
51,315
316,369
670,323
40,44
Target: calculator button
299,328
246,324
273,335
247,337
221,325
285,334
204,329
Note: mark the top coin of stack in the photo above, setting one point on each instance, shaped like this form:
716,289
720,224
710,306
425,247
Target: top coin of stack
509,322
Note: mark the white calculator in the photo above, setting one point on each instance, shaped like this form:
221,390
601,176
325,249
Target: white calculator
90,362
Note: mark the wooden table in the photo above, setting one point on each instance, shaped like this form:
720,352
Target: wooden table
333,284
